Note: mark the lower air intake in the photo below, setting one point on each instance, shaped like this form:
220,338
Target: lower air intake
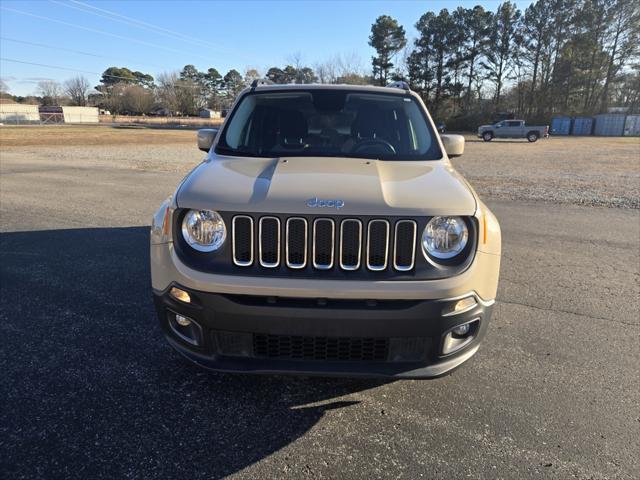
341,349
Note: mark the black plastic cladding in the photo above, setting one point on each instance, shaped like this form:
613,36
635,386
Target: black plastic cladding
221,261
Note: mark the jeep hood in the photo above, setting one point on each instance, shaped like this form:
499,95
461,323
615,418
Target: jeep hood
367,187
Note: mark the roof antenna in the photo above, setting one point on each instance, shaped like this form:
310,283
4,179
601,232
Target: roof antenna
399,84
260,81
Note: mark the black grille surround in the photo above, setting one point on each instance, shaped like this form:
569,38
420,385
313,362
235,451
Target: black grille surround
296,257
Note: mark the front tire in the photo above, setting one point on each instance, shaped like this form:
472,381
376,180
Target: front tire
487,136
532,137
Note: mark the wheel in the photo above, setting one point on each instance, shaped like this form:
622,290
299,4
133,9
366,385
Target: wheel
487,136
532,136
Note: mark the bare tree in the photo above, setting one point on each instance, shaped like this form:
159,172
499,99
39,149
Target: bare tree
137,99
50,91
342,68
326,71
295,59
181,95
112,98
4,89
350,64
77,88
168,90
250,75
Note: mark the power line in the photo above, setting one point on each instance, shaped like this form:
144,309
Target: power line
57,67
79,52
132,21
5,59
101,32
116,17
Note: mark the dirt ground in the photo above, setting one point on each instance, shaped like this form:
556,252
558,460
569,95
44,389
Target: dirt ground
597,171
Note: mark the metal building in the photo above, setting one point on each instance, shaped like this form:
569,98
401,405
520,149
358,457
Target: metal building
582,126
632,126
80,114
609,125
560,126
18,113
208,113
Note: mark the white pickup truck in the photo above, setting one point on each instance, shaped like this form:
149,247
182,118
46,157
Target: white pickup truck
512,129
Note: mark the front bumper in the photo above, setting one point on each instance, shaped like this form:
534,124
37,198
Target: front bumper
266,334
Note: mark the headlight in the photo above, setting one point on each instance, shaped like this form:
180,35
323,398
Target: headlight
204,230
445,237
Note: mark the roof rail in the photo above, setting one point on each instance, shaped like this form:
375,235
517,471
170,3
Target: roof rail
399,84
260,81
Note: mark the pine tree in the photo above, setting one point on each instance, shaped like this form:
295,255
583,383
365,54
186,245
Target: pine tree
388,38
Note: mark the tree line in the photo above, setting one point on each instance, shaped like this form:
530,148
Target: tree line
188,91
576,57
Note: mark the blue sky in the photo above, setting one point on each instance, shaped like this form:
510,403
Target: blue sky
154,36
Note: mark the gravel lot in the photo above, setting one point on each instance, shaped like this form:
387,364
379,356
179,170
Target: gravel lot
594,171
91,390
584,171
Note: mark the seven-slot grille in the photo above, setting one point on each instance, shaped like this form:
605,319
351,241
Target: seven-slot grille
324,243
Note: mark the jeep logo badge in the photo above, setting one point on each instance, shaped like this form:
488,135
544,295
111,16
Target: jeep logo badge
320,203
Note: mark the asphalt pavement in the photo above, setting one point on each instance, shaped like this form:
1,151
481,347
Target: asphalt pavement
90,389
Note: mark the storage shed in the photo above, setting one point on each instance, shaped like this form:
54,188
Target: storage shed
80,114
609,125
17,113
208,113
632,126
582,126
560,126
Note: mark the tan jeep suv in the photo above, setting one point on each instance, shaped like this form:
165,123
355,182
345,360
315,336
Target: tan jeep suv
326,232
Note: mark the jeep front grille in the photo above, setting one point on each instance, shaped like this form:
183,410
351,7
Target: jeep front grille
269,242
348,244
296,240
242,240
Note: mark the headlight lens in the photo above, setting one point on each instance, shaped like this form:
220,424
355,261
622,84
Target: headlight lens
204,230
445,237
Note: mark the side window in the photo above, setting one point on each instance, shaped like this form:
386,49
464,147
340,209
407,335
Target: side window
238,132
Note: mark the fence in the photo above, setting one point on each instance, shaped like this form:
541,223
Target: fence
19,118
16,114
605,124
19,114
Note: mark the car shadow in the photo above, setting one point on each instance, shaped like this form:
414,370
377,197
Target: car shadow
91,389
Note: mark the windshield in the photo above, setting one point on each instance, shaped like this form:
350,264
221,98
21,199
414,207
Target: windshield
329,123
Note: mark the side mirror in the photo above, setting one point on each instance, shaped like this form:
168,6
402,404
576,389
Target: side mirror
453,145
206,136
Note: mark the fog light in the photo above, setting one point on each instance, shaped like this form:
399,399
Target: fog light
460,336
185,328
462,330
180,295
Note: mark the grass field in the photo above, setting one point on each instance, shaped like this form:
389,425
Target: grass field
55,135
